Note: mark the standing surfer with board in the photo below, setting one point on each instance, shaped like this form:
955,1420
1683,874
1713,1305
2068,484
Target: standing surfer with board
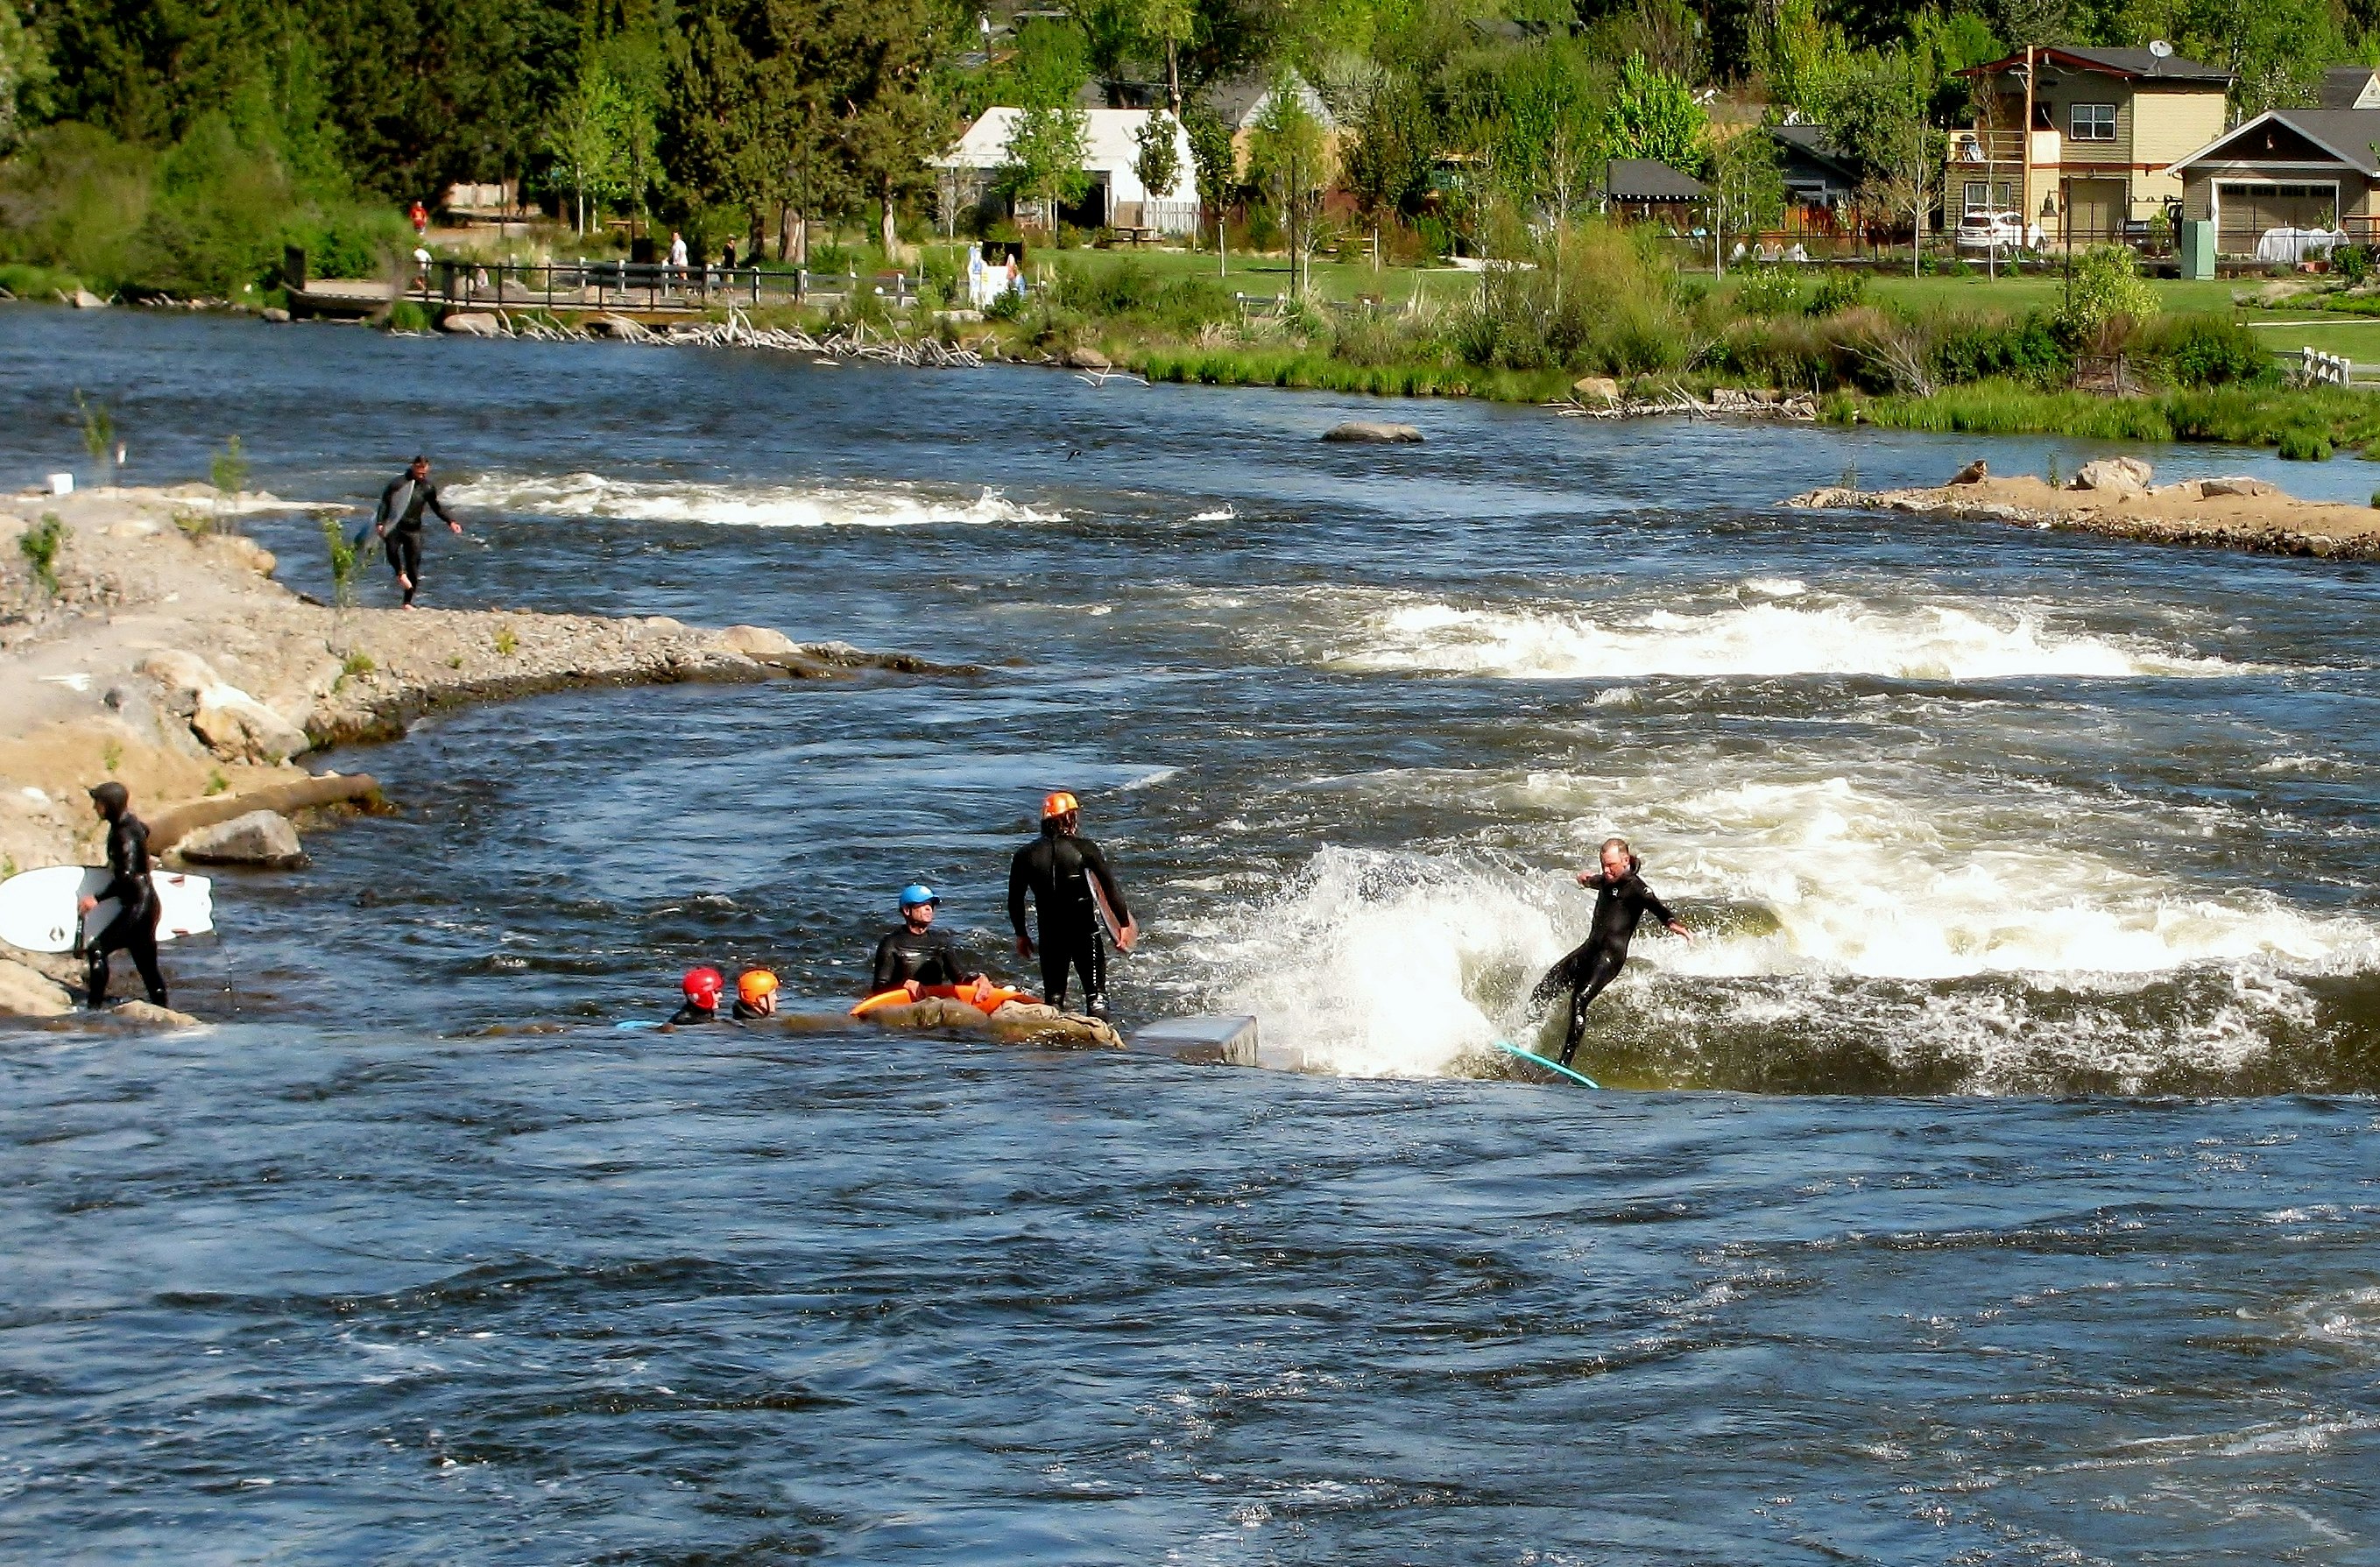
1622,901
133,927
397,522
1073,893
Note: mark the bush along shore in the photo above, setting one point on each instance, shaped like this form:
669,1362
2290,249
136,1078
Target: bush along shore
141,640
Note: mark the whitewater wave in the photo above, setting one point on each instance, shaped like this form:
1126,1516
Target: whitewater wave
1784,630
1828,912
740,505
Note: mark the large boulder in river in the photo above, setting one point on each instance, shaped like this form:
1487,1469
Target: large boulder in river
238,727
758,642
26,992
472,323
1087,358
259,838
1374,432
2236,485
2114,476
1595,389
84,300
145,1014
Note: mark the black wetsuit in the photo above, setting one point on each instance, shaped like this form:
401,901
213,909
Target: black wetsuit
1057,868
691,1013
744,1011
134,929
1620,906
928,956
401,505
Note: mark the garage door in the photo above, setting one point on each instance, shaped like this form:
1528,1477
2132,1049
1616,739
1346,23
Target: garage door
2246,210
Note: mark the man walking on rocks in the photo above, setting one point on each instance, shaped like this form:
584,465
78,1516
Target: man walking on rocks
397,522
133,927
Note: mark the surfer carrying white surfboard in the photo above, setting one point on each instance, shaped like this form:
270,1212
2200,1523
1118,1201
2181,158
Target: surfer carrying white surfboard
1073,893
133,927
1622,901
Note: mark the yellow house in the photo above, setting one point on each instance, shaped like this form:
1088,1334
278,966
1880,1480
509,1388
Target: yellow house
2081,141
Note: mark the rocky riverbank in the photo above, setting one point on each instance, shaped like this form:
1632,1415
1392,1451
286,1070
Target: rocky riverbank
143,641
2115,496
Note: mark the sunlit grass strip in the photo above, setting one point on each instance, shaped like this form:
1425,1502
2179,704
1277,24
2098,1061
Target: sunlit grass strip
2305,423
1314,370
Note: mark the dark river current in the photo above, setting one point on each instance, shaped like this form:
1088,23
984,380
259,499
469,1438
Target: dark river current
1993,1181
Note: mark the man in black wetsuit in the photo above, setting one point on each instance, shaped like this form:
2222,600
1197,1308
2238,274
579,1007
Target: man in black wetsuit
913,953
1068,875
397,522
134,927
1622,901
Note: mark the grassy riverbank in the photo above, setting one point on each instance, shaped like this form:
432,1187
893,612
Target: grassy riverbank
2042,353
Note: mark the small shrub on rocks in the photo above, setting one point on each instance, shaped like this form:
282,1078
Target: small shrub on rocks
40,546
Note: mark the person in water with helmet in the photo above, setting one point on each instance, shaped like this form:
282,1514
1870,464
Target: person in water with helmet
756,995
1622,901
133,927
702,988
913,954
1067,877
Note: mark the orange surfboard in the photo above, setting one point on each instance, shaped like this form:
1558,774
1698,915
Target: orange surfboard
983,995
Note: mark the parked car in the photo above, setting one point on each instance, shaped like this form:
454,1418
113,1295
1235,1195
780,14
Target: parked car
1991,231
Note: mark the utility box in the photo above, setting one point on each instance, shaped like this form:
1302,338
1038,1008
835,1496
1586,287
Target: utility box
2197,245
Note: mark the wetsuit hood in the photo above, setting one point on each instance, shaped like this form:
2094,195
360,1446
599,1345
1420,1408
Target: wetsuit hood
111,797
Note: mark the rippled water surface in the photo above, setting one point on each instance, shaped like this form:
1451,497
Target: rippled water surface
1887,1252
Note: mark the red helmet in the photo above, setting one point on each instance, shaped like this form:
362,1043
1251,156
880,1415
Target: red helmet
703,986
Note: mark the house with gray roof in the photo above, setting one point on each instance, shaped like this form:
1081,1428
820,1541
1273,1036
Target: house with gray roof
2287,171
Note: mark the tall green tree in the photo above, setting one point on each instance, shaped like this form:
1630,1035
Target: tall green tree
1550,126
1289,159
587,134
1747,189
1215,165
24,74
1653,114
1395,145
881,61
1157,155
1046,148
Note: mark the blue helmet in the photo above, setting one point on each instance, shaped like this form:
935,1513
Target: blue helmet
917,892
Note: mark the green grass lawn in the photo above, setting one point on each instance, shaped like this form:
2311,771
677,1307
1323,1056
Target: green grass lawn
2350,338
2032,291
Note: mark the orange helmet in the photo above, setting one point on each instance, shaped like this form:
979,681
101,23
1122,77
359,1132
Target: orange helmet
756,985
703,985
1059,804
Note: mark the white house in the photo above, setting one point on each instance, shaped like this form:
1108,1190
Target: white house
1115,199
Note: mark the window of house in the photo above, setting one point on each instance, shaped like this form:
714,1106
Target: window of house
2091,122
1978,195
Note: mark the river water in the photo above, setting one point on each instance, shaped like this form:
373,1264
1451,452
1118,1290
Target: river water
1992,1181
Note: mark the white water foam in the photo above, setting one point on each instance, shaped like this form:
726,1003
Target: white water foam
1824,903
739,505
1784,630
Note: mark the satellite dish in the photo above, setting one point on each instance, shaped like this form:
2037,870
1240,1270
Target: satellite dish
2160,48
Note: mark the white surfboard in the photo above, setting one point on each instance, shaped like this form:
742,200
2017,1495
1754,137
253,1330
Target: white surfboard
37,909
